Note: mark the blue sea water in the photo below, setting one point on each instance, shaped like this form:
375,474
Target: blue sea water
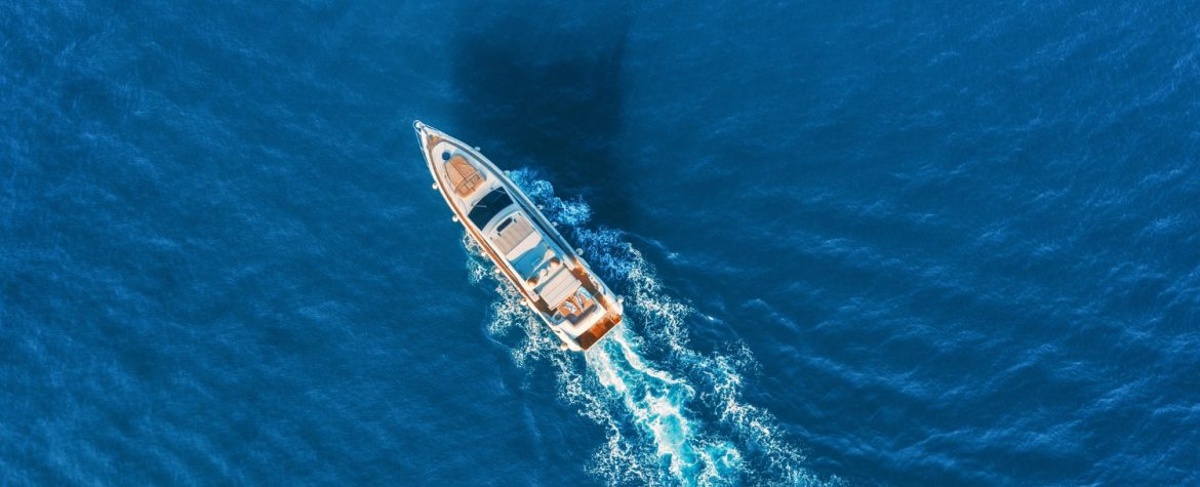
877,243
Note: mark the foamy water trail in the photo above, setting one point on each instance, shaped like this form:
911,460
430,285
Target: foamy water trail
672,416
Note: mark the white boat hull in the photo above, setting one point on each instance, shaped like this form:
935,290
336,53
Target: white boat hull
555,282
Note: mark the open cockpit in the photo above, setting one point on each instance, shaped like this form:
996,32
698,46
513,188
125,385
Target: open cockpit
539,263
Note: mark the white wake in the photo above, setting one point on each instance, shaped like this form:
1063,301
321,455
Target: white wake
676,419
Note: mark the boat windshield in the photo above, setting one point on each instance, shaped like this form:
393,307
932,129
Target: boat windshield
489,206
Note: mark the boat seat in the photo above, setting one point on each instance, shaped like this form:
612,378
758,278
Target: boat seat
558,288
575,306
515,234
528,244
464,178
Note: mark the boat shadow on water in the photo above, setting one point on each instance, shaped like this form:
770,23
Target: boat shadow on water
548,97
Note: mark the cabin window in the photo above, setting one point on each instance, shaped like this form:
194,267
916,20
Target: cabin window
489,206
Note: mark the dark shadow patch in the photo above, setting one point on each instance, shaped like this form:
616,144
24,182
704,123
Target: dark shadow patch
545,92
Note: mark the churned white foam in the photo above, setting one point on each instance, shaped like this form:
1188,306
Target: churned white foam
657,402
569,212
679,419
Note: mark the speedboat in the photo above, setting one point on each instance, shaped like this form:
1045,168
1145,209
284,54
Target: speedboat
551,277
